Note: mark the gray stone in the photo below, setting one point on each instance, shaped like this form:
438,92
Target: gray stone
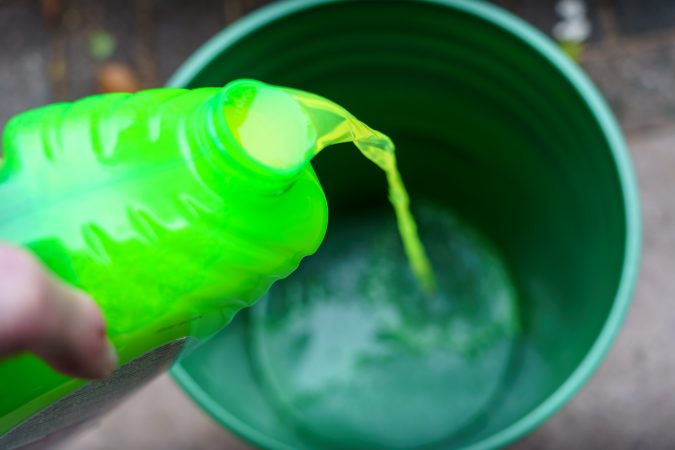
639,16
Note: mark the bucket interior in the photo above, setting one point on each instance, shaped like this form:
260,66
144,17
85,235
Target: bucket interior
487,127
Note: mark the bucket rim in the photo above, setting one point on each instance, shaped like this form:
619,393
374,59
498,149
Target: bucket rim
537,41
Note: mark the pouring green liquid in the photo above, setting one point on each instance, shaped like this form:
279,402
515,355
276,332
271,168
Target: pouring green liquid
298,126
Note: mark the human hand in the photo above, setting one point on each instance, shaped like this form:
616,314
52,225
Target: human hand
42,315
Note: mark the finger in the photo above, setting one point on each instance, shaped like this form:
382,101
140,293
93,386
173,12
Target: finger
42,315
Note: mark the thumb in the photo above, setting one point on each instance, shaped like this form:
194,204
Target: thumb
42,315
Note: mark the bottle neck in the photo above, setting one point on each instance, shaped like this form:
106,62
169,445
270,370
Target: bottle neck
216,141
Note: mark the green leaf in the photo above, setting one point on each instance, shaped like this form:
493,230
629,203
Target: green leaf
102,45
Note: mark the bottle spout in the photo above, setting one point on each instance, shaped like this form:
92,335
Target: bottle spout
332,124
268,127
279,130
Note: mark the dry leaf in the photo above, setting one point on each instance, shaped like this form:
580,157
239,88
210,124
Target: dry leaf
117,77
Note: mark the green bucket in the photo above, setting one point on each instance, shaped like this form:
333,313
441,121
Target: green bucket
492,122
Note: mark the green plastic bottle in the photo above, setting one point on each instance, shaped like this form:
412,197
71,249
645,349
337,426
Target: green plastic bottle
149,203
174,209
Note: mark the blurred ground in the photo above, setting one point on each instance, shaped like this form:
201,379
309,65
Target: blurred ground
52,50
